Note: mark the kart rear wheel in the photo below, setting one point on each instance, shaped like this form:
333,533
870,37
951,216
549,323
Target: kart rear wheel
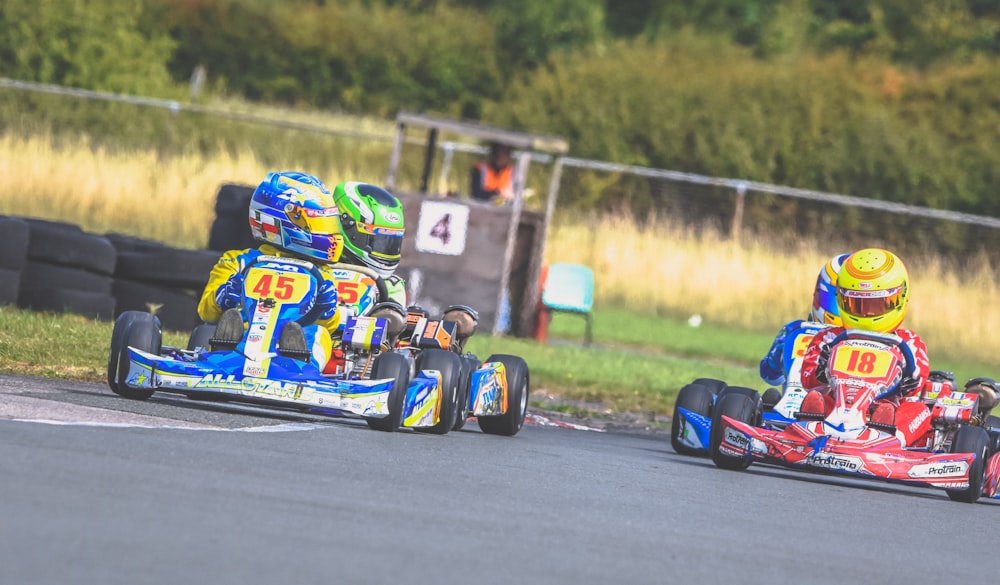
697,399
737,406
391,365
509,423
450,366
201,335
715,386
132,329
469,365
969,439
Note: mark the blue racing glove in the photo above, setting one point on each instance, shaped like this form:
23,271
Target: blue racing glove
229,295
326,299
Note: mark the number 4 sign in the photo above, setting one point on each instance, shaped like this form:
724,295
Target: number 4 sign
442,228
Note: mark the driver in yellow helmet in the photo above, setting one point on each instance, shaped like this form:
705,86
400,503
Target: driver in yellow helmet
873,290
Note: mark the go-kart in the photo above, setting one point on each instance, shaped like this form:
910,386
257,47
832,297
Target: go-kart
691,425
367,377
862,367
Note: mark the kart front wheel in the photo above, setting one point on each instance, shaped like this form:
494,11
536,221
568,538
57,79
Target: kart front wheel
450,366
969,439
510,422
132,329
737,406
469,365
395,366
695,398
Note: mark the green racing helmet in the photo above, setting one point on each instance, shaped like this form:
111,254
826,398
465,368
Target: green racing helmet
371,221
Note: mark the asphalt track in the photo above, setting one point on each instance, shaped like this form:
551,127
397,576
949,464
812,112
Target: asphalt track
178,491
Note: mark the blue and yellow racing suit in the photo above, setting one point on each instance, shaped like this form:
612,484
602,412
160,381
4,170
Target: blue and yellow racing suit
353,296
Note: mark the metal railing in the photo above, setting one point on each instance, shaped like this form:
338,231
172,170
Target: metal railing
739,187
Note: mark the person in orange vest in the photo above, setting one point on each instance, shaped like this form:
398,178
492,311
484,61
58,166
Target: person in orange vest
493,179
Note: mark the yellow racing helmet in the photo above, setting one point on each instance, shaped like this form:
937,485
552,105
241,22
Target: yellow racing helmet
872,290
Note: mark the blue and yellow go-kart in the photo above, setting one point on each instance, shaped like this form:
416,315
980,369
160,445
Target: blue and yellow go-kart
388,388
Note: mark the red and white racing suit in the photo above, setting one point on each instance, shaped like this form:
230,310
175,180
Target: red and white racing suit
913,419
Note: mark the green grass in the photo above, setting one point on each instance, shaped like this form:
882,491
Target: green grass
637,362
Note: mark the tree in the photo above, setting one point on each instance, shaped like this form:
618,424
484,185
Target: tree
83,43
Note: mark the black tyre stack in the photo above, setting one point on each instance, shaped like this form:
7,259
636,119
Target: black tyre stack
231,228
67,270
13,256
150,276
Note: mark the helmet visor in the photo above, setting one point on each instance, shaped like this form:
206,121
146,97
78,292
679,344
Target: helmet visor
378,241
870,303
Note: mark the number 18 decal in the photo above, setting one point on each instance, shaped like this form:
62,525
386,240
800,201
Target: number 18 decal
863,362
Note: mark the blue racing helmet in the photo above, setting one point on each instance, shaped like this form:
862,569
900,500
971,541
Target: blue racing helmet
824,308
295,212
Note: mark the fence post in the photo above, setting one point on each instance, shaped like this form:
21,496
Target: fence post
741,193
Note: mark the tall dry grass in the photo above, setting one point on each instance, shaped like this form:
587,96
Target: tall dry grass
166,198
754,284
649,266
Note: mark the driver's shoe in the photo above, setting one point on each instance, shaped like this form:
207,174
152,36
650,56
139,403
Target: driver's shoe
292,342
813,406
229,331
883,416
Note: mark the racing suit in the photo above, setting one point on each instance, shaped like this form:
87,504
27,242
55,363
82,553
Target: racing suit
773,368
912,416
318,335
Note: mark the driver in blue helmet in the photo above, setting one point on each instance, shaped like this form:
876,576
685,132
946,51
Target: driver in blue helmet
294,214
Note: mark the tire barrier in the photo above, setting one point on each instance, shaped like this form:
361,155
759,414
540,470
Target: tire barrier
231,228
13,256
55,266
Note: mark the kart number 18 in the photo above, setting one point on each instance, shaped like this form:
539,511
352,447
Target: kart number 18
865,362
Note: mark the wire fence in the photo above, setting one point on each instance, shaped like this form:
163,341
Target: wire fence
730,205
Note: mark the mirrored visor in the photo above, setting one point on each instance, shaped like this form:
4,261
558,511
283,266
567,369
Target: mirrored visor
870,303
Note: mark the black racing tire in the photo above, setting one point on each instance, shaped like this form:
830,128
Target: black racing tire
469,365
748,392
37,274
395,366
67,244
10,284
127,243
712,384
518,383
141,331
186,269
177,309
13,243
201,335
738,406
970,439
117,334
66,300
450,366
695,398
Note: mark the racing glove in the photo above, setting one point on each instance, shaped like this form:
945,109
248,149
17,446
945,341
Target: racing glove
326,299
229,295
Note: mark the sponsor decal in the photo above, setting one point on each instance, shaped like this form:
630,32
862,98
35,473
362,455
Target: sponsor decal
734,437
835,462
255,338
391,216
924,415
251,370
944,469
251,386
